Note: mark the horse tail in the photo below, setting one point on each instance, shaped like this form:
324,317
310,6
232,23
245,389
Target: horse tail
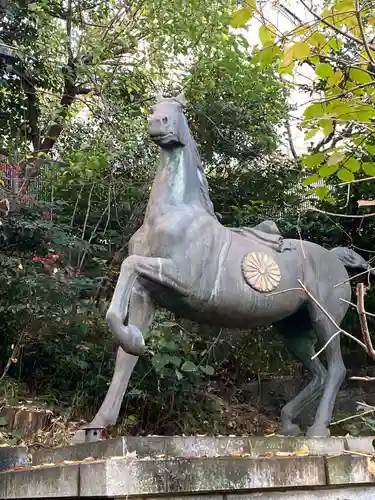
352,259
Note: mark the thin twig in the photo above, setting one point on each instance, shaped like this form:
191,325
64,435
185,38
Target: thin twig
335,28
310,295
285,291
290,140
87,212
76,206
356,181
353,416
313,209
363,379
326,344
363,34
361,292
343,94
368,271
300,234
357,453
13,356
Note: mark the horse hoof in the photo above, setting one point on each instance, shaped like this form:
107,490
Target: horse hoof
290,430
318,431
133,342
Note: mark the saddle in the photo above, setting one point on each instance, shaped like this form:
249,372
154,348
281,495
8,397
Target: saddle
267,233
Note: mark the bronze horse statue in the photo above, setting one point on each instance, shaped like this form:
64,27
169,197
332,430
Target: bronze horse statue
183,259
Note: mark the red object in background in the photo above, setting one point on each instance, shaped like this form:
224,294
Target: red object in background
10,172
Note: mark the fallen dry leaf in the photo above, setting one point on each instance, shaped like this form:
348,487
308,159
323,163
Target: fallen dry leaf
303,451
237,454
285,454
371,466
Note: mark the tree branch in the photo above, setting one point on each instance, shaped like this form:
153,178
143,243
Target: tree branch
361,292
290,140
363,34
333,27
363,216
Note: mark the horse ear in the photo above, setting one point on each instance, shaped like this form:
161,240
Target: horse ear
181,99
159,97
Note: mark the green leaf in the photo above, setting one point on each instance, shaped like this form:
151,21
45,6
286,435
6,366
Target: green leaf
207,369
370,149
365,116
327,126
321,192
335,78
311,179
189,366
174,360
313,160
327,170
360,76
266,35
311,133
345,175
369,168
241,17
317,40
324,70
168,324
335,44
301,50
335,158
353,165
179,375
267,56
159,361
315,110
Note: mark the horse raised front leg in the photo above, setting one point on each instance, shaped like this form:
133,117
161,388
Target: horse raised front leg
158,270
141,313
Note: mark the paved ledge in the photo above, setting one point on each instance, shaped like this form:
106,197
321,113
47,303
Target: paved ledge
51,482
348,469
265,478
119,477
192,446
363,493
123,477
362,444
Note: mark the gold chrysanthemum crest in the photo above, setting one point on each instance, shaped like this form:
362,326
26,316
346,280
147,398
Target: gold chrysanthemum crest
261,272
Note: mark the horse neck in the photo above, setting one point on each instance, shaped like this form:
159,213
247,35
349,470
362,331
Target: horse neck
179,181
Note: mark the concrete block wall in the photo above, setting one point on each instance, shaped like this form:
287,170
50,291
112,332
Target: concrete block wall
198,468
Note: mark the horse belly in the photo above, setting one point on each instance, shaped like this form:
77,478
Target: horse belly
233,300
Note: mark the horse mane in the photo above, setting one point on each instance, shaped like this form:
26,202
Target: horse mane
202,177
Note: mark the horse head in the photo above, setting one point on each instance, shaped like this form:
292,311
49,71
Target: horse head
167,125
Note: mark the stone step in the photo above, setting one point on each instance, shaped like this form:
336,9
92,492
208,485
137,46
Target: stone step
120,477
200,446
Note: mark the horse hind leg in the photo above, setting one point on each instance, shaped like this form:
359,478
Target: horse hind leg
325,330
300,343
